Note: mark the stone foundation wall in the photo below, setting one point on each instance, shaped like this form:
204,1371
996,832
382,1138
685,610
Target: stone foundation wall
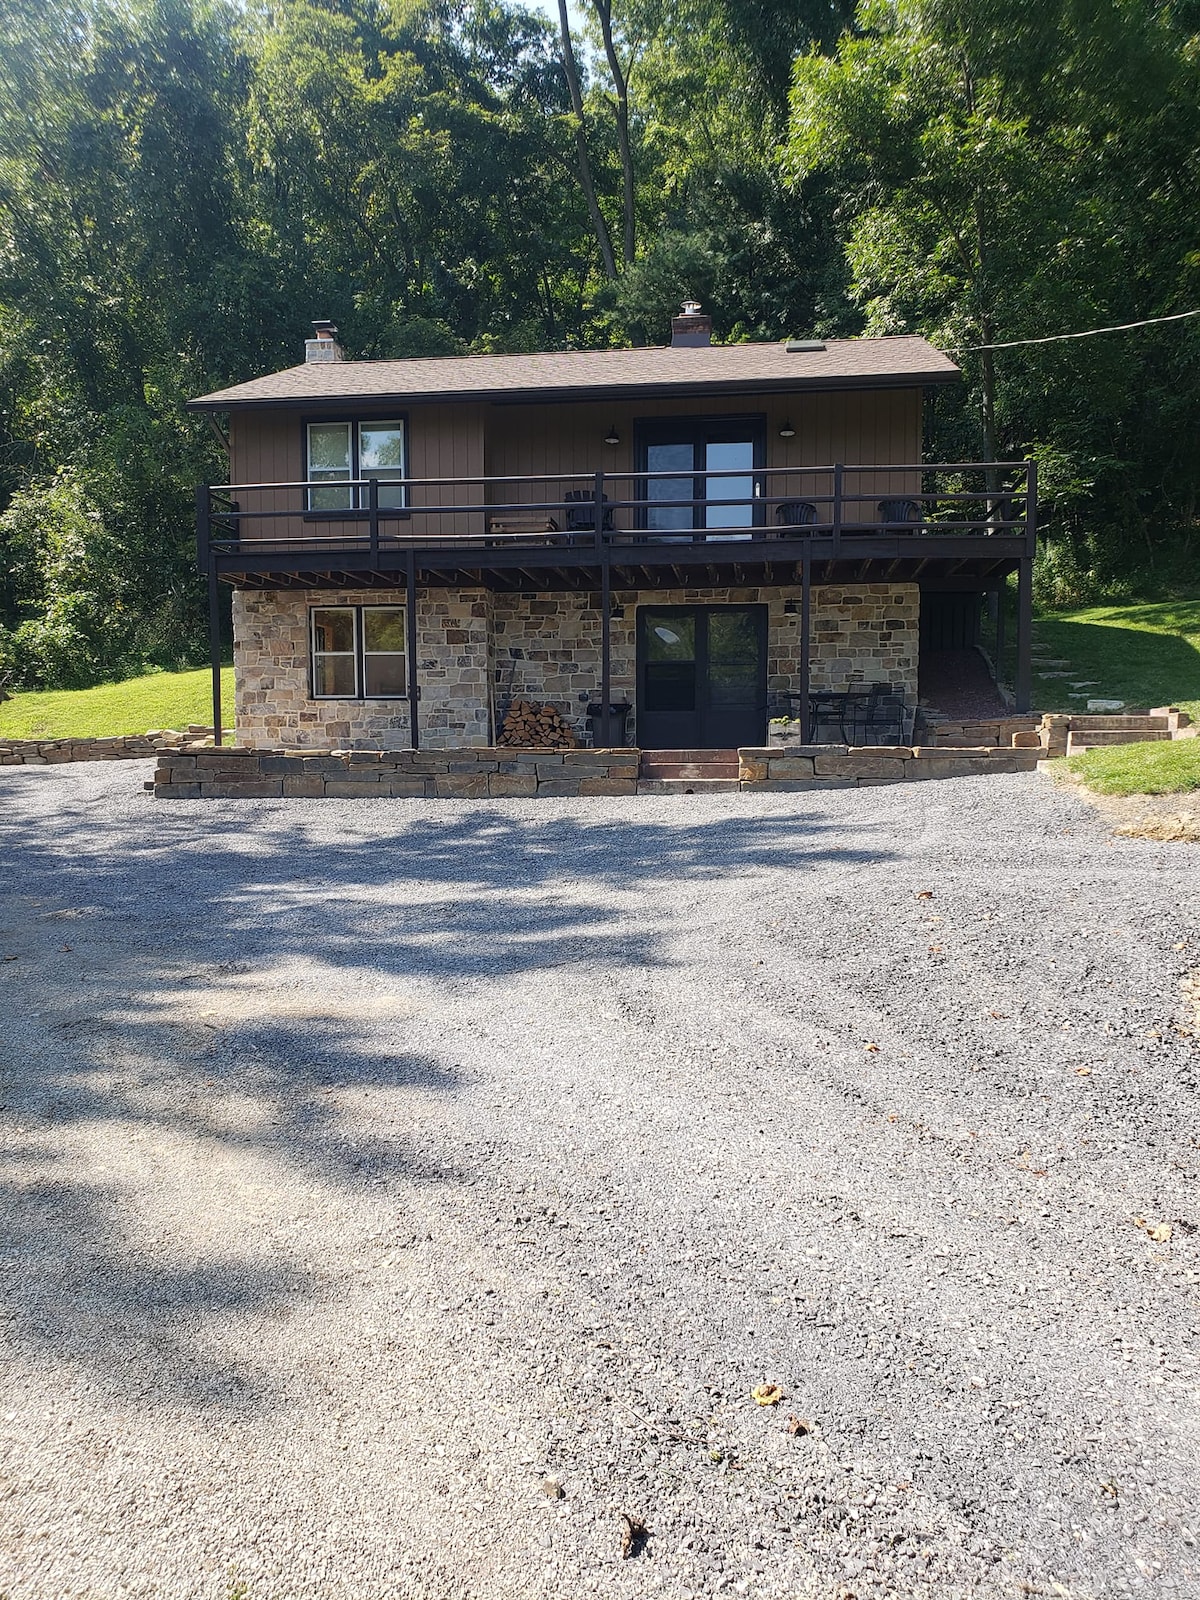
271,672
478,651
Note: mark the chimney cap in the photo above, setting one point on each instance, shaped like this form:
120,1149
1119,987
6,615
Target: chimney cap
692,326
325,330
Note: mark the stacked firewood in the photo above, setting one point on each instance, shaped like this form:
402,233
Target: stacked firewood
536,727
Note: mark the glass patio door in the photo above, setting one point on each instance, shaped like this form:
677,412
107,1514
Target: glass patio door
691,449
702,677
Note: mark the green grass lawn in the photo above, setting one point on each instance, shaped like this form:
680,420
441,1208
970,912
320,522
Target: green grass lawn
1147,655
1155,768
159,700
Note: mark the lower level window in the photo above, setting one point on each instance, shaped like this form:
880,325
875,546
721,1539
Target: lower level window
358,652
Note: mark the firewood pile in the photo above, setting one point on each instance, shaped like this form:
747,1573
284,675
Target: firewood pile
536,727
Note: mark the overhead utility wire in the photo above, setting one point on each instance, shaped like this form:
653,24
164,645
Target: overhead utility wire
1055,338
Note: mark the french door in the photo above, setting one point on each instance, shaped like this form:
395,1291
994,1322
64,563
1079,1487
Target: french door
691,449
702,677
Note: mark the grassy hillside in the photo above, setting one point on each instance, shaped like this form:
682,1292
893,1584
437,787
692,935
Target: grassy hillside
159,700
1147,655
1153,768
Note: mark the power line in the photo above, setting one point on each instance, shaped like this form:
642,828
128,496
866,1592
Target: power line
1055,338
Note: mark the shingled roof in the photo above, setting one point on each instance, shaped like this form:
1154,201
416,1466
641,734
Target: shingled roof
902,361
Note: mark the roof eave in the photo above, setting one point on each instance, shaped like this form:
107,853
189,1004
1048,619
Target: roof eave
585,392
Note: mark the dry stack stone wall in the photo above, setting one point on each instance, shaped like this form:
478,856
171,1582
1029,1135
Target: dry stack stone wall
121,747
241,774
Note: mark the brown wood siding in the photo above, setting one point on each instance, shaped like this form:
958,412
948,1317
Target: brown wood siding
874,427
461,441
444,441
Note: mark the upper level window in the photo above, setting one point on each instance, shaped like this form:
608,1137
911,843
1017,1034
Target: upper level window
341,454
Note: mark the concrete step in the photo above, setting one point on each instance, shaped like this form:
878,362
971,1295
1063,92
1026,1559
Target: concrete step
687,786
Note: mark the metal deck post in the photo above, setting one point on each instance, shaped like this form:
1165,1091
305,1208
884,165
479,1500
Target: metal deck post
1024,676
410,640
605,652
208,565
805,634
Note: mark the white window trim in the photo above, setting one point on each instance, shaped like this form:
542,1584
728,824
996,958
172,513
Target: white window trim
359,653
357,493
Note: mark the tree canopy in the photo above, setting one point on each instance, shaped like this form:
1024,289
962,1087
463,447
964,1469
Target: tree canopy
185,183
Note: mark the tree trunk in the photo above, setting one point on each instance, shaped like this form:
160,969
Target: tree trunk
585,164
603,9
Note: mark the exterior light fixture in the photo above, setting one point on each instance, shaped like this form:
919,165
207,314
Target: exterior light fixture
612,436
790,607
787,431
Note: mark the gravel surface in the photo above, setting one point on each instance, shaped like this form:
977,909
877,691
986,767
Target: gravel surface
398,1194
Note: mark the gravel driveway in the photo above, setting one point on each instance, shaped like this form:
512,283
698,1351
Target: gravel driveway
398,1193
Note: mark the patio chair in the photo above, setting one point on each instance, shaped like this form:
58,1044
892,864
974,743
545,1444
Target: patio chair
900,514
581,516
883,717
796,514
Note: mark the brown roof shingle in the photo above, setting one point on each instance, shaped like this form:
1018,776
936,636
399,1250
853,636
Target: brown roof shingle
597,374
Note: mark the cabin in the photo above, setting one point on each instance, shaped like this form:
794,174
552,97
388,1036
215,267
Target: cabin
669,546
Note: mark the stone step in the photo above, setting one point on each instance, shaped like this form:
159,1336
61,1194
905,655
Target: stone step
1118,724
688,769
687,786
1091,738
690,755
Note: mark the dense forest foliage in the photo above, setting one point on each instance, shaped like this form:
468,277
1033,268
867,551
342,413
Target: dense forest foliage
185,183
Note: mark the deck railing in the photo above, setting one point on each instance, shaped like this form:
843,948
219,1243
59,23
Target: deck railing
832,506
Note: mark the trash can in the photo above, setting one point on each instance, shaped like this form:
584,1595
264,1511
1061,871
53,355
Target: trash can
618,718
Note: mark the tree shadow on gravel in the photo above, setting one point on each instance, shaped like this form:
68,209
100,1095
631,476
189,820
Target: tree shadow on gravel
145,1004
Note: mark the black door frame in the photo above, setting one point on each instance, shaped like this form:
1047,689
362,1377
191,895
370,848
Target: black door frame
696,431
703,711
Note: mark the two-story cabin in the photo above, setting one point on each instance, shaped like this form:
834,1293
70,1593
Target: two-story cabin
697,537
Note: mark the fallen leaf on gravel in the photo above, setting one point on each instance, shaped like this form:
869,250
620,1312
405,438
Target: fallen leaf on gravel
1000,1016
66,948
924,894
553,1488
8,958
873,1049
1083,1072
633,1539
935,949
798,1426
766,1394
1160,1232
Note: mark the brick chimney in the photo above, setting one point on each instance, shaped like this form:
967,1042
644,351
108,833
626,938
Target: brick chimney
323,346
692,326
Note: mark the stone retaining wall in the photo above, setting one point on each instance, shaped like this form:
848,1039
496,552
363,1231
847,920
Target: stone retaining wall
239,773
244,774
121,747
839,766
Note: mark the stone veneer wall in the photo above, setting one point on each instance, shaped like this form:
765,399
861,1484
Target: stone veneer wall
271,672
478,651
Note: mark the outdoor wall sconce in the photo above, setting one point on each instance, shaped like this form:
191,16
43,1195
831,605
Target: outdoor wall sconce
616,613
612,436
790,607
787,431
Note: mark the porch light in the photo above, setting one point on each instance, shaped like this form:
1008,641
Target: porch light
790,607
612,436
787,431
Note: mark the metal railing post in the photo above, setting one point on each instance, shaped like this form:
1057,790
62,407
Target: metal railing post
373,521
605,652
1031,484
838,486
203,526
598,510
